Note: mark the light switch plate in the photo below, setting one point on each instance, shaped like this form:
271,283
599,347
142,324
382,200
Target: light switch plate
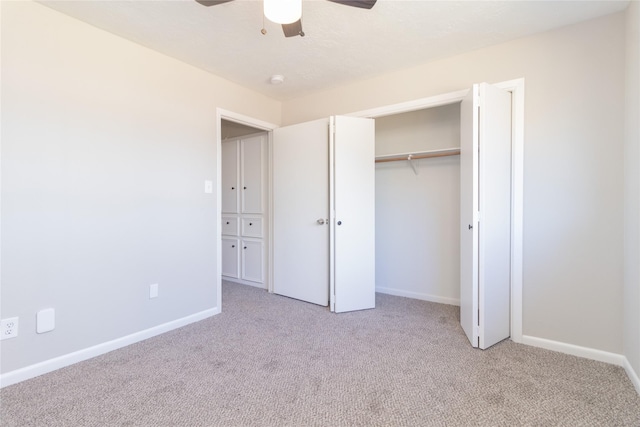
208,187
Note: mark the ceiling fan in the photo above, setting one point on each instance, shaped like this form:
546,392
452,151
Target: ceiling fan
288,13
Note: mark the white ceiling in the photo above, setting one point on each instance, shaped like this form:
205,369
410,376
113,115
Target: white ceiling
342,44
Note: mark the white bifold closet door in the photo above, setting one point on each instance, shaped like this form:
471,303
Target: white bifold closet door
485,214
324,212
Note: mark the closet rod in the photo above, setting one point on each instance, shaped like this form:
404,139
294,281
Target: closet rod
420,155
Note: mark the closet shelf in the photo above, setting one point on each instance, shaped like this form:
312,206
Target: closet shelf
418,155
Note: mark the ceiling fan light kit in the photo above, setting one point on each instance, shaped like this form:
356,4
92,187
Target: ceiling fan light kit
288,13
283,11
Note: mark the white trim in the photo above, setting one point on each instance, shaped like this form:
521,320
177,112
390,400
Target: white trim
261,125
51,365
418,295
417,104
633,376
575,350
516,87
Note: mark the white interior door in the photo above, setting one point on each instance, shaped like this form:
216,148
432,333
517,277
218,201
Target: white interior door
353,142
300,204
468,215
485,191
495,215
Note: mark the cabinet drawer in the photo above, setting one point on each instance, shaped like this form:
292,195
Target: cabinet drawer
252,227
230,225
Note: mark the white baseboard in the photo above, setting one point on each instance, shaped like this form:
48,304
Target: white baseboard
245,282
418,295
575,350
51,365
633,375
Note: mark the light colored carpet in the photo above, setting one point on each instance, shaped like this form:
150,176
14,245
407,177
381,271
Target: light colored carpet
272,361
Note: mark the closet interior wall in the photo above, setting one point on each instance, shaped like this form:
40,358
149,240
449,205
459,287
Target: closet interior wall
418,213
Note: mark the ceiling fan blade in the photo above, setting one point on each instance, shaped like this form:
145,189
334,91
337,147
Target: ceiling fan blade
294,29
363,4
212,2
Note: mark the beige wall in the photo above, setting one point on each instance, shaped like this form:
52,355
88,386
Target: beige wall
573,180
105,149
632,191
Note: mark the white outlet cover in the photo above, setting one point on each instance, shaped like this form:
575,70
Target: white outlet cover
153,291
45,320
9,328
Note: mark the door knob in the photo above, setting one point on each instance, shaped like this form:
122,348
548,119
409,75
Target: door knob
339,222
321,221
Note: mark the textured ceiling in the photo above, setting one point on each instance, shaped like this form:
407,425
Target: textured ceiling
342,44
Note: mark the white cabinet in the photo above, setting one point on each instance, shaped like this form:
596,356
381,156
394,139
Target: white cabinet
252,159
243,195
229,181
252,260
230,257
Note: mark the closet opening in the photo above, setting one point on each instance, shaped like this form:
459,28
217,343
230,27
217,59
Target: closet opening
418,204
392,189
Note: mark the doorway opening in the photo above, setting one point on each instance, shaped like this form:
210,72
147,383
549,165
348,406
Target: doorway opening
243,214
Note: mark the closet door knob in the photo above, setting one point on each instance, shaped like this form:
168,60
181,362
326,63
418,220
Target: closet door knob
321,221
339,222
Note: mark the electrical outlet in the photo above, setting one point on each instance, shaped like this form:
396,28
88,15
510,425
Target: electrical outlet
8,328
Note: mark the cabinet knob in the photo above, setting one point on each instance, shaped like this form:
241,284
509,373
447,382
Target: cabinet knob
470,226
244,188
339,222
245,247
250,224
233,188
233,246
227,222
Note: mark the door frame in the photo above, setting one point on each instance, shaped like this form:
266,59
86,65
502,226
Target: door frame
516,87
259,125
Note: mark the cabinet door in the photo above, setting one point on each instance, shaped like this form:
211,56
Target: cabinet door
229,181
252,168
252,256
230,257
